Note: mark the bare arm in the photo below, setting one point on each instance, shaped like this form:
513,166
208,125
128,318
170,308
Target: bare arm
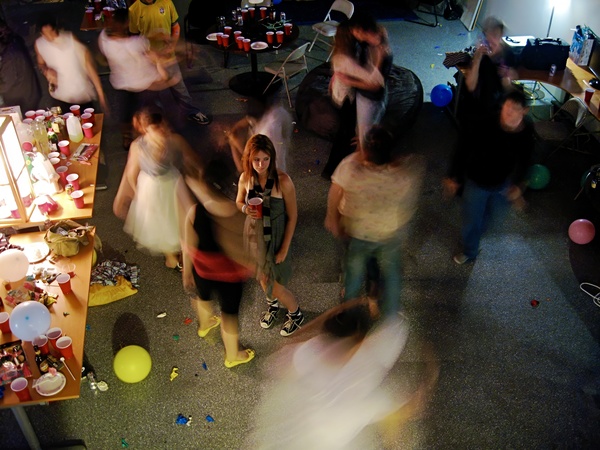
291,208
190,242
472,75
90,68
333,217
240,200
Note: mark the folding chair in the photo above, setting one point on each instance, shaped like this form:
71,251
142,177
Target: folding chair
328,27
292,65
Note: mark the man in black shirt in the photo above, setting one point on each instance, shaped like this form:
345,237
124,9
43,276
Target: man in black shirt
490,165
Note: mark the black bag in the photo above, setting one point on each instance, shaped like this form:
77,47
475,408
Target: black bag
540,54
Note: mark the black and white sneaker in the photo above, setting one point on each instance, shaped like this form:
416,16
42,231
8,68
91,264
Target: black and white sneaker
270,315
292,324
199,118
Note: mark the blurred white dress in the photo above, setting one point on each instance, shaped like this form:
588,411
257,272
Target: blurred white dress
324,400
152,219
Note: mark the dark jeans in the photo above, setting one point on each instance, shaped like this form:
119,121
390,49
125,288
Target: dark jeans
342,143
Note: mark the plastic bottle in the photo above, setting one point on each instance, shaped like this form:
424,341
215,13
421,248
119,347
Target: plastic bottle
74,129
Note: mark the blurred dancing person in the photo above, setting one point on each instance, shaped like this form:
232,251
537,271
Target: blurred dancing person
19,84
157,20
336,376
269,229
148,186
490,165
212,225
371,200
136,73
346,72
68,66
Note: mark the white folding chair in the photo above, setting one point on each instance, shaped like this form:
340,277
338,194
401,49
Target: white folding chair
292,65
328,27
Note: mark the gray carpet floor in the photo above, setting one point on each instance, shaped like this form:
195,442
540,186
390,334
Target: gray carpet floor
511,376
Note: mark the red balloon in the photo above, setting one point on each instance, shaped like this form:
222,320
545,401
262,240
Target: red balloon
582,231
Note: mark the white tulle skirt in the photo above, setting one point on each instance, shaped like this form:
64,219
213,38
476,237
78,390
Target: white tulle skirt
152,217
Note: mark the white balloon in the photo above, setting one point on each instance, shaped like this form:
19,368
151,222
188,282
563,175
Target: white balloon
13,265
28,320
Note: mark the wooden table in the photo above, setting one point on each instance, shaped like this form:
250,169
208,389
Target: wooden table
253,83
70,314
87,181
573,80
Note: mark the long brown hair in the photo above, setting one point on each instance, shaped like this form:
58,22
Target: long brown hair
344,43
260,143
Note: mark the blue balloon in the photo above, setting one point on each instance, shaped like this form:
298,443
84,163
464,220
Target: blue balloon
441,95
28,320
276,2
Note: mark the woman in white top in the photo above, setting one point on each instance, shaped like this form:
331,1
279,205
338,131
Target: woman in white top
68,66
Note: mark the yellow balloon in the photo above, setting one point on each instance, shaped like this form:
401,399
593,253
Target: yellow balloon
132,364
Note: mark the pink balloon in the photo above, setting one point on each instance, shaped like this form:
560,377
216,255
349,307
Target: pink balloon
582,231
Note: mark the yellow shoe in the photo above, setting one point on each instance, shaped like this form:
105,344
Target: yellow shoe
249,352
203,333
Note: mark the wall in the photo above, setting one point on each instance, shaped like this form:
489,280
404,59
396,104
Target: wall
531,17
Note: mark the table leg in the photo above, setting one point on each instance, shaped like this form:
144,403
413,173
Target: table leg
253,83
26,427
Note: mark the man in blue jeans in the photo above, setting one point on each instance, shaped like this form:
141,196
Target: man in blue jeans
490,165
372,198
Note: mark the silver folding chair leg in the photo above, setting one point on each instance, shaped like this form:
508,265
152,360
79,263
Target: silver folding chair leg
313,41
270,83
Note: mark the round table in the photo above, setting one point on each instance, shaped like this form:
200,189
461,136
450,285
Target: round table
254,82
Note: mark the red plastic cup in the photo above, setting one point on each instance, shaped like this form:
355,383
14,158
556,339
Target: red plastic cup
270,39
97,6
20,387
287,28
252,11
279,35
240,42
30,114
42,204
40,113
73,180
91,112
4,322
256,203
77,197
62,172
263,12
64,282
55,162
27,146
65,346
65,148
86,118
237,33
53,334
220,38
247,45
589,93
225,40
88,130
89,14
227,30
108,11
75,109
42,343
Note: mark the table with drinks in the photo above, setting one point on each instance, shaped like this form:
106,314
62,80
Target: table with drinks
77,171
252,31
98,14
54,359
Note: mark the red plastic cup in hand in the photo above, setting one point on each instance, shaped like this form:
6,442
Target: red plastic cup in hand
256,204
